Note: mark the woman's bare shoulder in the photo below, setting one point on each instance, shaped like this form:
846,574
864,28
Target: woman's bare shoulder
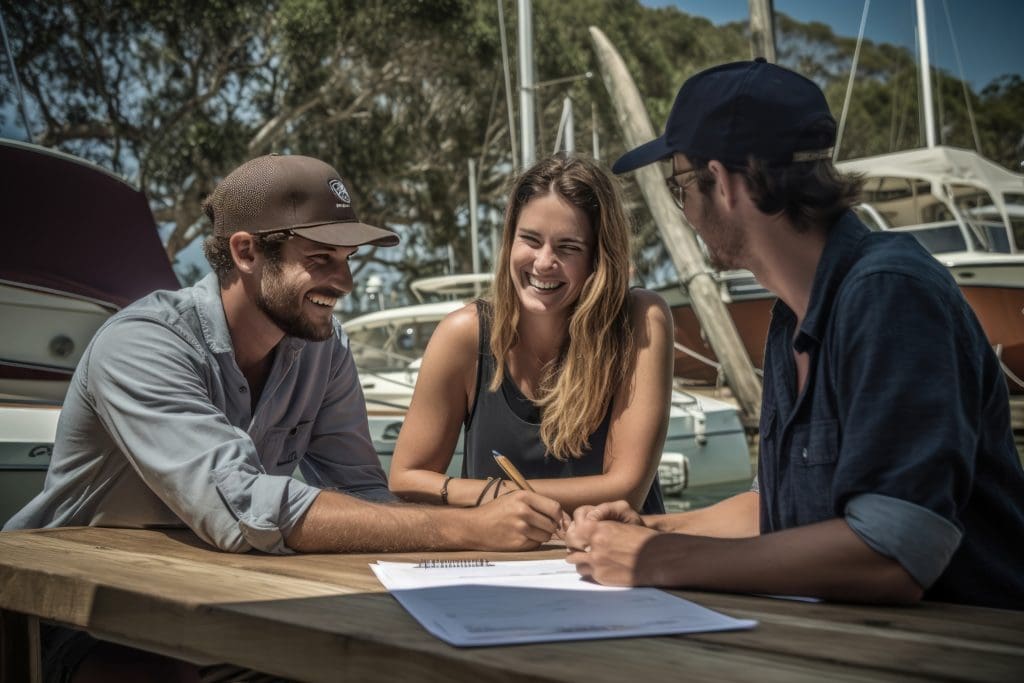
460,329
647,305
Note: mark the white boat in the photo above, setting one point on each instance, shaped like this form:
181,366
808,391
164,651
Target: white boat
26,441
705,445
80,243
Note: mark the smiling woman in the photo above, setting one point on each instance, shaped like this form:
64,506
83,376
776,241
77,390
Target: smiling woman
571,370
551,255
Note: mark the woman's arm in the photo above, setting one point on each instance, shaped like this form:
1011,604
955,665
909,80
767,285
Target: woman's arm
446,380
639,422
735,517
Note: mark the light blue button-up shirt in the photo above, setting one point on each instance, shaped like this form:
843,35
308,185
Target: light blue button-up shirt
158,430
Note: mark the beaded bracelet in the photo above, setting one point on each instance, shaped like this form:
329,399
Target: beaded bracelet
444,490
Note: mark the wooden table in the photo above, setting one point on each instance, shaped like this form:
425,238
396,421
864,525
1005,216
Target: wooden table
326,618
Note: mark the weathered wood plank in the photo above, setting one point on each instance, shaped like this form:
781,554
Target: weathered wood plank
325,618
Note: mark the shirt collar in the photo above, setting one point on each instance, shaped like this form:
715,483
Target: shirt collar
842,248
210,309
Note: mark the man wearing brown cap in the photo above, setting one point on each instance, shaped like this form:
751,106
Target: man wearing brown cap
887,470
194,408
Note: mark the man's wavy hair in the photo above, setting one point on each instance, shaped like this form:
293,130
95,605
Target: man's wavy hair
809,193
598,354
217,249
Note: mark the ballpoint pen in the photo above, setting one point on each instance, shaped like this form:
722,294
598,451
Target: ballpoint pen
517,477
509,469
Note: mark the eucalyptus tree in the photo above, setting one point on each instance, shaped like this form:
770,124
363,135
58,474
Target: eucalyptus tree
400,94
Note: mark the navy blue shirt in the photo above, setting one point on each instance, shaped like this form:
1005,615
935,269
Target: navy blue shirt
903,425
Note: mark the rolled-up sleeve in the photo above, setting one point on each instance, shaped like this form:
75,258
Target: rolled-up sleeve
920,540
152,393
341,455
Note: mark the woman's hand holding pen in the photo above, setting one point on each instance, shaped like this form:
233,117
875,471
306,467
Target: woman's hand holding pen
521,520
562,521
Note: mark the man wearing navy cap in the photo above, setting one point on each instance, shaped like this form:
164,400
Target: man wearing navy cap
887,469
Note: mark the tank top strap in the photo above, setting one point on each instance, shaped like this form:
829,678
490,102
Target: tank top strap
485,365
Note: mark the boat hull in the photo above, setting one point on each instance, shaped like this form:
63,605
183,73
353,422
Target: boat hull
46,334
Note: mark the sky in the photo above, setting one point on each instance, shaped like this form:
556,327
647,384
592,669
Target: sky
989,33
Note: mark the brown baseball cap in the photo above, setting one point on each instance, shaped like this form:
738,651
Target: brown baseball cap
280,192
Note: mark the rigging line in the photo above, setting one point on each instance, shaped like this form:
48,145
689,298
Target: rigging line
920,92
14,74
895,113
963,80
849,84
704,359
942,112
566,109
693,354
508,84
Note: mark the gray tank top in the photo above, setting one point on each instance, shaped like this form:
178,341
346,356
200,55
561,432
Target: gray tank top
508,422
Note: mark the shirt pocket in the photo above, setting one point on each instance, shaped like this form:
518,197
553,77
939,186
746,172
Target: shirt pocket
811,468
284,446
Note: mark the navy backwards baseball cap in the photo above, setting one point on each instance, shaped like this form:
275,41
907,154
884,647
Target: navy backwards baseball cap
733,111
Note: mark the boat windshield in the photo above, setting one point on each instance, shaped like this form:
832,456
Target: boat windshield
391,345
939,238
982,217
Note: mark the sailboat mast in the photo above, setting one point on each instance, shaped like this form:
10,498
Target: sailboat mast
762,29
526,83
926,75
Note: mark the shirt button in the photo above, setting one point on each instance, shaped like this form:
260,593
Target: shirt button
803,454
242,389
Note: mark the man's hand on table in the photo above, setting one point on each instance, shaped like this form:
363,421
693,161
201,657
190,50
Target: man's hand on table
604,543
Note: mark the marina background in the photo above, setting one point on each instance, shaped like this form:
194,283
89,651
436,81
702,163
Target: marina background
171,98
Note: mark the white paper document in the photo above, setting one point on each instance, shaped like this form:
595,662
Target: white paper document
534,601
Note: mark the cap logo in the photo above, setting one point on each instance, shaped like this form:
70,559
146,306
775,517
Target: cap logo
338,188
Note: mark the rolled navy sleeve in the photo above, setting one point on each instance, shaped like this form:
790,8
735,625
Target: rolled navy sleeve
155,396
920,540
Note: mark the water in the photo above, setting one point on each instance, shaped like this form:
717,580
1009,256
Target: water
702,496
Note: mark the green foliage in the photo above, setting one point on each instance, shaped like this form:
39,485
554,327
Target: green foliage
1000,115
399,94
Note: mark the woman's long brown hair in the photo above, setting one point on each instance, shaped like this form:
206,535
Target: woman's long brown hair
598,354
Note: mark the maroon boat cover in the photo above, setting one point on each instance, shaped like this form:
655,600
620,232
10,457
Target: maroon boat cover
69,226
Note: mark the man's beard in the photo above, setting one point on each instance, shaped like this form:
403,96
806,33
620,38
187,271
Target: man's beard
725,242
283,305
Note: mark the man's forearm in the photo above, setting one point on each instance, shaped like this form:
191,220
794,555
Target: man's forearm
339,523
826,560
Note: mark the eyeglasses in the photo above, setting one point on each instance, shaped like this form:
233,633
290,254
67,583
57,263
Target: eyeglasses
677,188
